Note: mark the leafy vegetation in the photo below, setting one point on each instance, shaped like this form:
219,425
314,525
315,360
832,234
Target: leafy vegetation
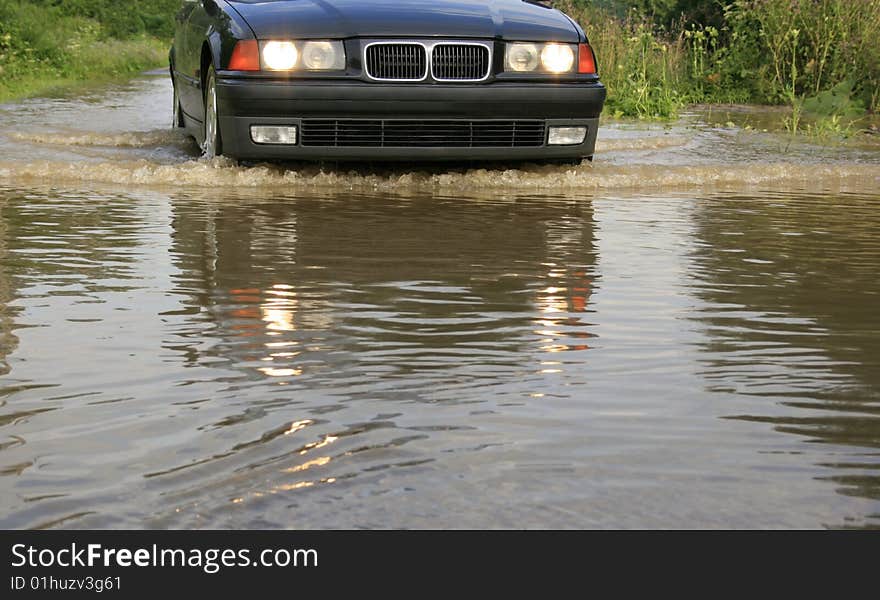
820,57
49,43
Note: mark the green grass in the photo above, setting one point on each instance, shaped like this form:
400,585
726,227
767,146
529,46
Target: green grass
101,61
46,45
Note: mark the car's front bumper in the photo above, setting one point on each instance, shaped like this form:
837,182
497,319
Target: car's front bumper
247,102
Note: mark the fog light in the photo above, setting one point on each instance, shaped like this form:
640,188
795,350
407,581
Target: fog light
567,136
267,134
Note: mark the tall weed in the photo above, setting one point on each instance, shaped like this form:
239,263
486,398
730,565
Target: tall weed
672,52
645,71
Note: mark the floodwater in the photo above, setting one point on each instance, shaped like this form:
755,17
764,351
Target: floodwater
683,334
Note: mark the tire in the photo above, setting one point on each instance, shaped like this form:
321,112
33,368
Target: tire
213,144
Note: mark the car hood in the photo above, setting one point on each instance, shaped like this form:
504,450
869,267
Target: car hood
304,19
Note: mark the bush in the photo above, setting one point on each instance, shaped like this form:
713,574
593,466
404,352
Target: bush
675,14
47,41
656,55
800,48
120,20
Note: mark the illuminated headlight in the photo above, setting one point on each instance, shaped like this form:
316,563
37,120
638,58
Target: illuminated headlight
272,134
540,58
323,56
280,56
566,136
557,58
318,55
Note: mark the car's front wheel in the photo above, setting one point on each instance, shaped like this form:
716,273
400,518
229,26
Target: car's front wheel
213,144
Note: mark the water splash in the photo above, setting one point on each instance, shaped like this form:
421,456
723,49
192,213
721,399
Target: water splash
224,173
132,139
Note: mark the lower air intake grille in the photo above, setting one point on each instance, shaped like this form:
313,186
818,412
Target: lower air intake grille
422,134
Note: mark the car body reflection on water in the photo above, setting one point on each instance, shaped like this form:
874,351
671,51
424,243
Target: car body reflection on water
297,286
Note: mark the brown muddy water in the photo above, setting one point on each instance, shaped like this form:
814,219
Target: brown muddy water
684,334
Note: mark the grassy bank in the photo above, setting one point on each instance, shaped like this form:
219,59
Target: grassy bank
819,57
49,44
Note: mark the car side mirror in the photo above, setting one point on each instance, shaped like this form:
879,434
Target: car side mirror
211,7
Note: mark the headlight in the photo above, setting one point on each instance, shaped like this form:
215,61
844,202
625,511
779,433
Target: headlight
324,56
540,58
280,56
303,56
522,57
557,58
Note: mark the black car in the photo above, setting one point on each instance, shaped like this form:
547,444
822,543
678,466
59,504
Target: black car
385,80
